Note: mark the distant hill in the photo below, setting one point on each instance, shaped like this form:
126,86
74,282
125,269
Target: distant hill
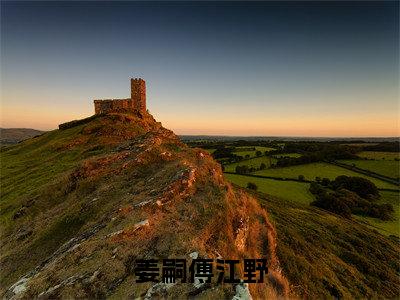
15,135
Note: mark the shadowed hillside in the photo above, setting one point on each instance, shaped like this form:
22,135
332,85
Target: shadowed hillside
80,205
325,255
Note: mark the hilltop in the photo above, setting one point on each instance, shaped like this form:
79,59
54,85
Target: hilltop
80,205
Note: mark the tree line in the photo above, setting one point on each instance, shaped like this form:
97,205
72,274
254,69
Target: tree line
350,195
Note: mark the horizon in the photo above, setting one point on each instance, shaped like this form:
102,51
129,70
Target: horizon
255,136
271,69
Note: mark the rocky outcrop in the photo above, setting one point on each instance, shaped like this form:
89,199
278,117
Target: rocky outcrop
144,195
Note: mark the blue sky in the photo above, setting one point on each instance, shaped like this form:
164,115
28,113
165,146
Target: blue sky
233,68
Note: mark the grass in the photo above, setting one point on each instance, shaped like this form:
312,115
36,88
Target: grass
104,191
31,164
390,168
254,162
310,171
379,155
40,195
289,190
326,256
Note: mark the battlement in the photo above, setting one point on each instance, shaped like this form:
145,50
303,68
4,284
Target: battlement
137,102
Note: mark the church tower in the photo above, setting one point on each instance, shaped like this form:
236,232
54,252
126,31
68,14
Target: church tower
138,94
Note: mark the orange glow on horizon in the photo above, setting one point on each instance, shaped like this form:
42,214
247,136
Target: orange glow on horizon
230,123
49,118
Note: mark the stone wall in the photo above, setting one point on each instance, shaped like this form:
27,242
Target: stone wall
136,103
108,105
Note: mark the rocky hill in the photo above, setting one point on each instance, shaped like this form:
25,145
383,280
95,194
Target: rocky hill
81,205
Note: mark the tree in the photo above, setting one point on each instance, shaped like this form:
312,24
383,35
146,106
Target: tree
223,152
252,186
318,179
258,153
242,169
325,181
333,204
301,177
344,202
263,166
316,188
361,186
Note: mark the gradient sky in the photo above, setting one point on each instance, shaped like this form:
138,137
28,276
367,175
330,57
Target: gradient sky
227,68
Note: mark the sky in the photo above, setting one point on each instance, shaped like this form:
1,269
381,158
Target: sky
214,68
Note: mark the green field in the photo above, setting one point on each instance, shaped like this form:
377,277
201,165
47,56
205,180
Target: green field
289,190
252,153
316,247
386,227
254,162
298,193
310,171
245,152
379,155
390,168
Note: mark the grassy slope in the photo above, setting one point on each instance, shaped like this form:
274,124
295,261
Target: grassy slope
28,166
388,168
60,211
310,171
298,192
67,183
36,177
332,256
38,156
